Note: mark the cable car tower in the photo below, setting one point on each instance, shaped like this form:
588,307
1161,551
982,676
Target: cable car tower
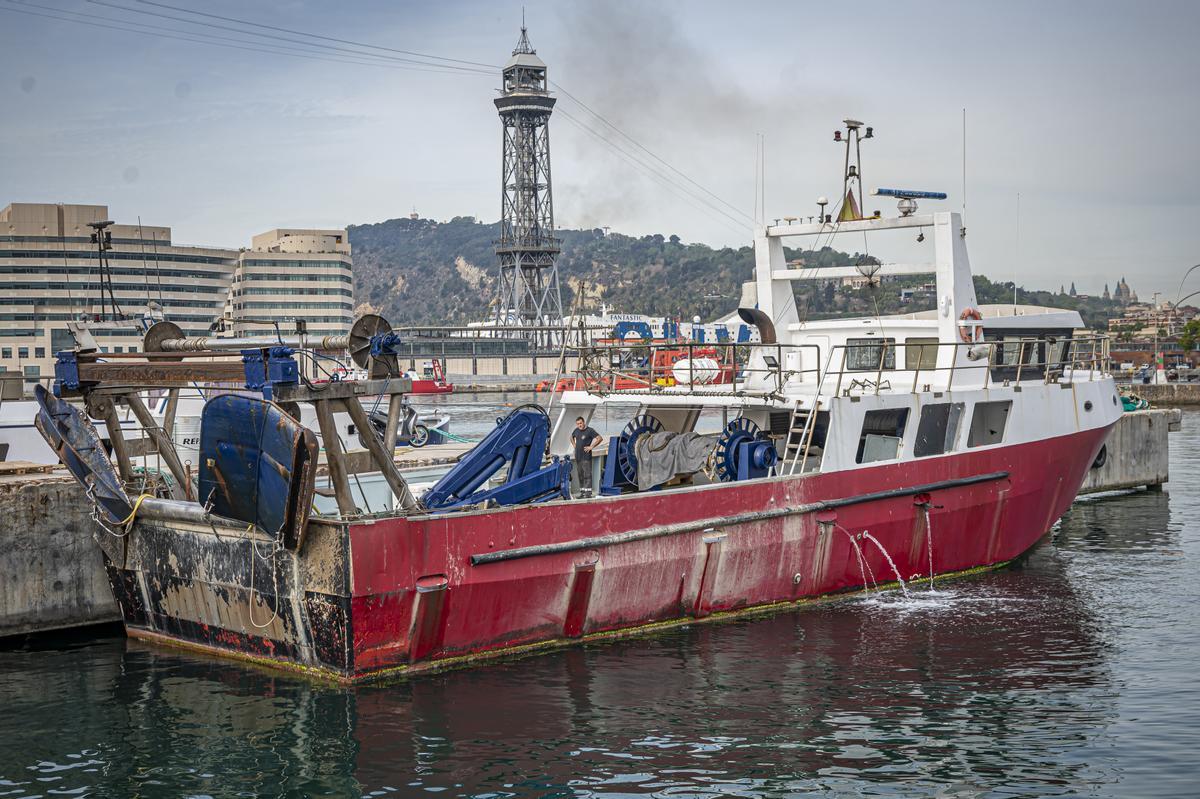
528,293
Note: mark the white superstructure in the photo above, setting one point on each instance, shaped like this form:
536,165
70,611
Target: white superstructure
836,394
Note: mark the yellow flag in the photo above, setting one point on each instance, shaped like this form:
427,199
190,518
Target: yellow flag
849,211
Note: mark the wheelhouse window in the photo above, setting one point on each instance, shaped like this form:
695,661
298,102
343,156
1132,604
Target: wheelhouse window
920,353
870,354
1027,354
937,429
882,434
988,423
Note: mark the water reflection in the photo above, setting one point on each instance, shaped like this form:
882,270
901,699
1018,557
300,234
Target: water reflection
1034,680
967,687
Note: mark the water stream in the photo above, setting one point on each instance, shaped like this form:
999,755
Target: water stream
888,558
863,567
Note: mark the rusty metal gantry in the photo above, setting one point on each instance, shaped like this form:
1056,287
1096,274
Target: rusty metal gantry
264,364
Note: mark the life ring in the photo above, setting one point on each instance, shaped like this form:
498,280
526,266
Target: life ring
969,333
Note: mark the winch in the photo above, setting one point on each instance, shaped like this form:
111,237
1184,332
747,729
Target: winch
743,452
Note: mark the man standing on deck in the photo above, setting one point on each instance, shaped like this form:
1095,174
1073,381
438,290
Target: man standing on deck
585,440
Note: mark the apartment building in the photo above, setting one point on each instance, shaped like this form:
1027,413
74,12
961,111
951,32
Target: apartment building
50,273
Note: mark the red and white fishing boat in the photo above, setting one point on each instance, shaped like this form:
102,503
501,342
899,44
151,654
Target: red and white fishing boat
851,450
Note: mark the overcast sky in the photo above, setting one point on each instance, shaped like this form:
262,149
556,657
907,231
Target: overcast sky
1088,111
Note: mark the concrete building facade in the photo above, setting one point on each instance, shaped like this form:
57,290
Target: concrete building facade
50,275
290,274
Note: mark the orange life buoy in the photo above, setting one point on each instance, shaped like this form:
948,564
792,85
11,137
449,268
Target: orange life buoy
970,333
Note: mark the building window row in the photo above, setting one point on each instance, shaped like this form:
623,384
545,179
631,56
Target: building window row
86,240
297,264
346,306
66,317
306,278
51,255
6,353
140,271
136,288
85,304
293,318
285,291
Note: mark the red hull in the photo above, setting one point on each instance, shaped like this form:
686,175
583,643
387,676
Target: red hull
432,591
431,387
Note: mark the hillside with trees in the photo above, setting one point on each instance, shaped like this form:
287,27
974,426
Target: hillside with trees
422,272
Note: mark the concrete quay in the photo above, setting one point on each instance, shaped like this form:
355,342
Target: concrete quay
51,575
1173,395
1136,452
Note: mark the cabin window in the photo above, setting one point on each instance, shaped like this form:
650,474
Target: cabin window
988,423
882,433
1027,352
937,429
870,354
920,353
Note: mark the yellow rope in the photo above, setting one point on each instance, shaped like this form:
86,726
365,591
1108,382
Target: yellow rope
133,512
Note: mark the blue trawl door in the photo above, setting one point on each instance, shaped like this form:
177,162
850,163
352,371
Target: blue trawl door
257,465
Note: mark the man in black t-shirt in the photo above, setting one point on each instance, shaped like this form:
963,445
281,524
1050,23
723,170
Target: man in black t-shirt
585,440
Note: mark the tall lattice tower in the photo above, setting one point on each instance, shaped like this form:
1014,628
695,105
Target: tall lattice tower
528,293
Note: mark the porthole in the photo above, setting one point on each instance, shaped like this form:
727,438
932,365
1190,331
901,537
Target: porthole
1087,406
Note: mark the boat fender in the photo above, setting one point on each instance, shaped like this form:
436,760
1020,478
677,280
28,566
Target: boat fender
968,328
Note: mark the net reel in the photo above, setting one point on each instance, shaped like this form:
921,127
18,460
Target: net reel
743,451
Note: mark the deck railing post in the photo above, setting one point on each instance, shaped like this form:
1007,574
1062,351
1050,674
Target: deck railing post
882,360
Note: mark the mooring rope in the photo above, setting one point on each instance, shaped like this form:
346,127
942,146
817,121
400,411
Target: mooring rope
254,555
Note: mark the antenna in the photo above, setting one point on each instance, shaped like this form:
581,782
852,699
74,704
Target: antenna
856,131
102,238
1018,259
757,150
963,232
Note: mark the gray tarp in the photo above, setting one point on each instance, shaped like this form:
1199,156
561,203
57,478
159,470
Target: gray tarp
661,456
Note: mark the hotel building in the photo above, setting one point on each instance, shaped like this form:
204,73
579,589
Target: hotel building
50,274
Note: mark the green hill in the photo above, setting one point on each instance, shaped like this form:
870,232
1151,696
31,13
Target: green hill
422,272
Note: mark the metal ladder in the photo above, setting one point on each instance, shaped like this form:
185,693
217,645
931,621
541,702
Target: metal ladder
803,424
799,437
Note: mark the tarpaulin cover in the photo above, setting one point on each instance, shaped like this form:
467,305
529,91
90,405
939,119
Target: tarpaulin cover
661,456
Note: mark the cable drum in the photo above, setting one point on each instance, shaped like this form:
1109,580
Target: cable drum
627,442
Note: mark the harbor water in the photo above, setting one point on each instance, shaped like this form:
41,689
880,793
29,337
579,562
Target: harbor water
1071,672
